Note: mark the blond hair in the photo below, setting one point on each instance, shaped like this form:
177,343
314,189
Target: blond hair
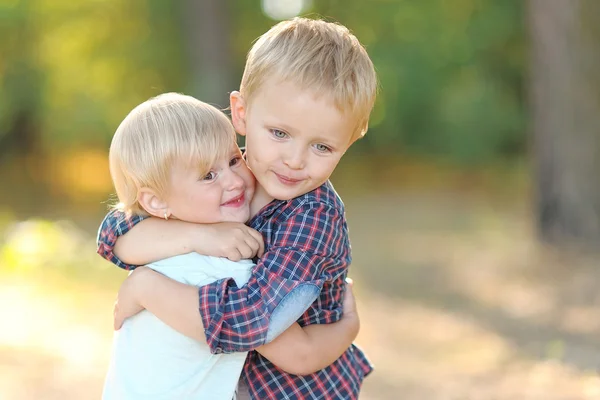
160,132
316,55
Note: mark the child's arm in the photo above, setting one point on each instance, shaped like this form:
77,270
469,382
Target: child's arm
132,240
176,304
155,239
303,351
298,350
309,249
305,254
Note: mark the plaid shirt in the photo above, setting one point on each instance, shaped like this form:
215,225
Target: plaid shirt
306,242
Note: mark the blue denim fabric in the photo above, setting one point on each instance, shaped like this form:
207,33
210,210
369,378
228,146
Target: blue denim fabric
290,309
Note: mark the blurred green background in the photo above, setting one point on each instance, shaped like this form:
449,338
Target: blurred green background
473,201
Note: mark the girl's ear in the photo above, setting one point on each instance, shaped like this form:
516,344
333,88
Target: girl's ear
152,203
238,112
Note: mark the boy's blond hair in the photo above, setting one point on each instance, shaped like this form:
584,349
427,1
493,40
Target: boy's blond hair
167,129
316,55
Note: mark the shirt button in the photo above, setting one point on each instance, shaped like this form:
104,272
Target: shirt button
218,350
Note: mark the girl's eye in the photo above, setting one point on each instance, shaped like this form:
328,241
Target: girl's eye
278,134
209,177
322,148
235,161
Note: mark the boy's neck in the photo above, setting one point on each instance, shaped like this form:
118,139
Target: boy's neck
261,198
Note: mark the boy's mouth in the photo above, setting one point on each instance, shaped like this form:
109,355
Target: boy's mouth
287,180
236,201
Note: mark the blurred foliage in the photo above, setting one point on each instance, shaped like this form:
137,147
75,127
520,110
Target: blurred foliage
451,72
50,249
451,75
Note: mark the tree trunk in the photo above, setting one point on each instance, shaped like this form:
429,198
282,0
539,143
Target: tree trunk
565,111
208,46
21,139
21,84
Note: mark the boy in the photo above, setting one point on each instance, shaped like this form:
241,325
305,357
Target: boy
306,95
175,157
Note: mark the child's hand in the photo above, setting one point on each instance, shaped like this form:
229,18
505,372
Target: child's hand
350,316
128,302
232,240
349,304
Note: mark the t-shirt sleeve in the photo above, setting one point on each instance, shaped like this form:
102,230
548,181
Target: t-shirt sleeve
115,224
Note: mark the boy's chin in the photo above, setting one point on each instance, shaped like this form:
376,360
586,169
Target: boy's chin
285,194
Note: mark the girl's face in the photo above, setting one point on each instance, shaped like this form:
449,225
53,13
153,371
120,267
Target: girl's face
223,194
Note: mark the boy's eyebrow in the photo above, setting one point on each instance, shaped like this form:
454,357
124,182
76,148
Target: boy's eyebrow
320,135
280,124
286,127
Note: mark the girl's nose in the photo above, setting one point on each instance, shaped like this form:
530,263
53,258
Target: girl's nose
233,180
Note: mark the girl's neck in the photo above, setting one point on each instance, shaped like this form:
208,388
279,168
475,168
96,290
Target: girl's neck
261,198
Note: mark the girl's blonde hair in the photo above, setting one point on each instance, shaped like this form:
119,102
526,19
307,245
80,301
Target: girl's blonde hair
316,55
167,129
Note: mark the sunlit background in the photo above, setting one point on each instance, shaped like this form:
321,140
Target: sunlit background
473,201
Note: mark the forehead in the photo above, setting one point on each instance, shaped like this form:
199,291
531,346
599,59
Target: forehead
302,110
205,160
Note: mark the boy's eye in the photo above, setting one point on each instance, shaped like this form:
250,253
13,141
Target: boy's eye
235,161
278,134
322,148
209,177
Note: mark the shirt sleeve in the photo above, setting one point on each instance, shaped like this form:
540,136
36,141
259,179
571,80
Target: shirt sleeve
115,224
306,251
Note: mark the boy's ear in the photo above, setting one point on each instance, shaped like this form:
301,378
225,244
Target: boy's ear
238,112
152,203
361,135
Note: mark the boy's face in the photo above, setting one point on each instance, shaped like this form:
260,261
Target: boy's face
223,194
294,140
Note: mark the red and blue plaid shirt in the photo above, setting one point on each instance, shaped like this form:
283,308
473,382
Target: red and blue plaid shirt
306,242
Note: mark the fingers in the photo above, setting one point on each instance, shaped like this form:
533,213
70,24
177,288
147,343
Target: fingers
258,238
234,254
253,247
238,242
118,323
239,251
245,244
128,301
349,292
246,250
117,320
349,303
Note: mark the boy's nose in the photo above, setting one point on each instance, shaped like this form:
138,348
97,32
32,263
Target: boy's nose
295,159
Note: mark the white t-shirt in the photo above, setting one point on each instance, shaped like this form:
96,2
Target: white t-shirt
152,361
